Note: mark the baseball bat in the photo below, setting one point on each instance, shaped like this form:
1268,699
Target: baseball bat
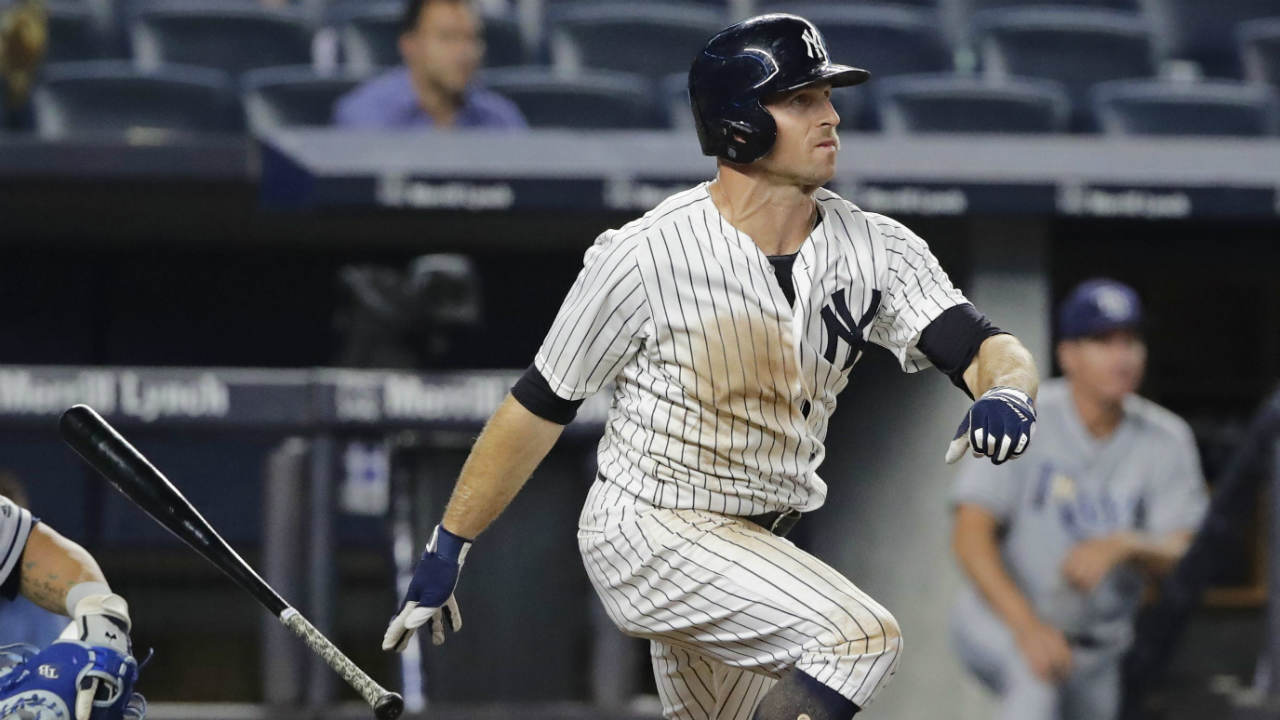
133,475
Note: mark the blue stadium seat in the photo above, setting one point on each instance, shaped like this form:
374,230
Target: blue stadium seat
1076,47
650,38
1128,5
73,33
673,99
370,36
787,5
112,97
232,37
1204,30
1260,50
586,100
1142,107
949,103
291,97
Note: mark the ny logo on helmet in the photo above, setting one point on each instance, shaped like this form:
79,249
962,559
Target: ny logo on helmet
813,45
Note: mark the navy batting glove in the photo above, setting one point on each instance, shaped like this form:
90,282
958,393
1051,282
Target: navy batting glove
999,425
430,598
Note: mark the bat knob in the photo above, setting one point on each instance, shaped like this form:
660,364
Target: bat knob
389,706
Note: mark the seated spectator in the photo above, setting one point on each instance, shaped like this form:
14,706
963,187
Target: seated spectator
442,46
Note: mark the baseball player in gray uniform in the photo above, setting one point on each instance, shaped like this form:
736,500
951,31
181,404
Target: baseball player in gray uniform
88,673
1057,545
727,320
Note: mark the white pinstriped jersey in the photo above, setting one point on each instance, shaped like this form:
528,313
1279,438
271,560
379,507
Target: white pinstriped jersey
15,528
724,390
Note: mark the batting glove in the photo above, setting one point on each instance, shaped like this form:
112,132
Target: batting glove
999,425
430,598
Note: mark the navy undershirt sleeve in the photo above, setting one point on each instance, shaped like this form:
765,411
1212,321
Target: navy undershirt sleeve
952,340
533,392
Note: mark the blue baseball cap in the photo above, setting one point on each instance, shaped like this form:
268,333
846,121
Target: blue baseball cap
1099,306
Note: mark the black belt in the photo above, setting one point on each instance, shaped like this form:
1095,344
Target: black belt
778,522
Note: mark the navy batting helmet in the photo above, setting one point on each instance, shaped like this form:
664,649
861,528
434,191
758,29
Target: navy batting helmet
745,64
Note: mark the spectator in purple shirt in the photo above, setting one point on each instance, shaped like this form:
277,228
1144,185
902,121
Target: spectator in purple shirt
442,47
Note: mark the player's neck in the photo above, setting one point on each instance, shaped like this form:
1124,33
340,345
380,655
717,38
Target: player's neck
1099,417
777,217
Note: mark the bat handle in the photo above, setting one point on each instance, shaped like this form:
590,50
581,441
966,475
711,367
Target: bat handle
386,705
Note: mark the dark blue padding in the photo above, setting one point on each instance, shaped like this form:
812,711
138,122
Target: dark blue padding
954,104
1076,47
1259,42
587,100
293,96
73,33
1185,108
112,97
654,39
1204,30
233,38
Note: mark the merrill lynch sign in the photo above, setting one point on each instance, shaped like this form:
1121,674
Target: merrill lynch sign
199,395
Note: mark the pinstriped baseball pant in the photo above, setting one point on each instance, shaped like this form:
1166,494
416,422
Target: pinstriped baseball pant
728,607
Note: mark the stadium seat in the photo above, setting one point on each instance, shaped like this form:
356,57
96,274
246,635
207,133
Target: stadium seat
673,97
651,38
980,5
1260,50
1076,47
1142,107
587,100
233,38
1204,30
787,5
291,97
73,32
112,97
370,36
948,103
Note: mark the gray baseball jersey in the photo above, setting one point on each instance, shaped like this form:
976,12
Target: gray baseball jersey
1070,487
723,391
15,528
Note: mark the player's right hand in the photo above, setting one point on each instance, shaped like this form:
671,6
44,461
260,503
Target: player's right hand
430,598
1046,651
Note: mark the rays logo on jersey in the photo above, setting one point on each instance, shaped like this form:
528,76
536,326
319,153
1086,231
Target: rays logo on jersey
840,325
34,705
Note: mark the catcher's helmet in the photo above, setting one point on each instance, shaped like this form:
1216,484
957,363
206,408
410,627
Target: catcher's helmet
747,62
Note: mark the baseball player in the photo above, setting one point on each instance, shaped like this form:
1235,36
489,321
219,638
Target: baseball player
1057,545
728,319
89,672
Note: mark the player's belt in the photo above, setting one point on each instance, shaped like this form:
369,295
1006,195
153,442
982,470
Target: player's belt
778,522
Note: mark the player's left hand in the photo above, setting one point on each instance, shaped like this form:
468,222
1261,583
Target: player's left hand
999,425
1092,560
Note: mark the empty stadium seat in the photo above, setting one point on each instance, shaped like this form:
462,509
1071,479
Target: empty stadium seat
1128,107
948,103
1129,5
673,96
112,97
1260,50
650,38
233,38
1204,30
370,36
1076,47
291,97
73,33
587,100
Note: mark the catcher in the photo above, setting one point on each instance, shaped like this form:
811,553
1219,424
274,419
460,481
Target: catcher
88,673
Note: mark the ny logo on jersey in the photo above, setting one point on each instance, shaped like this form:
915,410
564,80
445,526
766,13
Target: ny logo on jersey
840,324
813,45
